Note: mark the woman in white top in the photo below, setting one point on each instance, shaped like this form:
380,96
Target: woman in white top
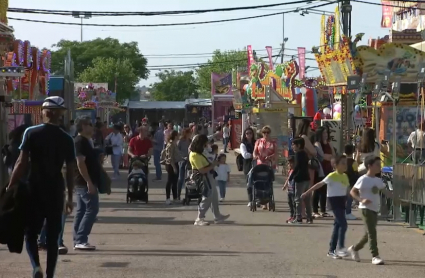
369,147
115,140
417,141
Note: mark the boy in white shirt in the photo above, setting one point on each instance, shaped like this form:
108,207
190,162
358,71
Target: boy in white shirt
366,192
223,175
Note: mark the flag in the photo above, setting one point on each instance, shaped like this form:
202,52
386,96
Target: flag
301,61
387,14
269,53
250,57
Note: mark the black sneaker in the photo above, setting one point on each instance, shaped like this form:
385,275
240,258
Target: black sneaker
309,220
42,246
333,255
296,221
63,250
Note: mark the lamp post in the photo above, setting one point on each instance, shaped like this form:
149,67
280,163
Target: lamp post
82,15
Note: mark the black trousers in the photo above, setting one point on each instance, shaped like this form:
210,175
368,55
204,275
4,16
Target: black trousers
47,206
172,180
319,197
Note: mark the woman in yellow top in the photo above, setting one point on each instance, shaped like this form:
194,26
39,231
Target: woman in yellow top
209,199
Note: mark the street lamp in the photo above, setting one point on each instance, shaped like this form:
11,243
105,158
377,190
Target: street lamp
82,15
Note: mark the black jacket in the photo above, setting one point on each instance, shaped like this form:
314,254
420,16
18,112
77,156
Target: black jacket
13,212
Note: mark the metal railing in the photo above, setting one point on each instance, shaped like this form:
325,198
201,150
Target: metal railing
409,192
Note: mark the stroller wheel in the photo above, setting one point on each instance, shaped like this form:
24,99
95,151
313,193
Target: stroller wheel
273,206
147,199
128,199
188,202
184,202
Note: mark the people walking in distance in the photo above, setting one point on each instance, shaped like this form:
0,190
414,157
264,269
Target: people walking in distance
290,188
125,158
171,158
226,136
158,146
115,140
86,181
223,175
338,184
353,176
167,133
366,192
183,147
44,150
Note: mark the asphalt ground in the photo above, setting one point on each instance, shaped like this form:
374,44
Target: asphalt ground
155,240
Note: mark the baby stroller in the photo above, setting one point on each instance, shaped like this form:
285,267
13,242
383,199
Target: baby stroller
262,177
191,189
137,184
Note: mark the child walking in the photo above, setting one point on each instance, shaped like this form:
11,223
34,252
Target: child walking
125,160
289,186
223,175
338,184
353,176
366,192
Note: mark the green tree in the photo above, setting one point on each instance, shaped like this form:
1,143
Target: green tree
84,53
174,86
221,62
111,69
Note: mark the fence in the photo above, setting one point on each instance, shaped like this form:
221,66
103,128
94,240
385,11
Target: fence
409,193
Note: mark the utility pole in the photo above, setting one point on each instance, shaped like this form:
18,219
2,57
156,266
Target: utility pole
346,99
283,37
82,15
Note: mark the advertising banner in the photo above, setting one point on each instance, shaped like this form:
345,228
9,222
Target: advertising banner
269,53
387,15
221,84
250,56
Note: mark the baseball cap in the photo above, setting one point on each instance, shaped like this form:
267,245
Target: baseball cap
53,103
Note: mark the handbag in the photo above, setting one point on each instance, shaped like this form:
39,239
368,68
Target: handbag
313,163
108,147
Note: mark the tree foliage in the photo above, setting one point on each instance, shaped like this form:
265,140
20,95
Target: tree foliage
84,53
221,62
174,86
111,69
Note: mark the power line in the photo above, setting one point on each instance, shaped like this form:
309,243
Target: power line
103,13
391,5
163,24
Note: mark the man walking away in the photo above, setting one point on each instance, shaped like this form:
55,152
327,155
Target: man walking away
87,176
44,149
226,136
158,145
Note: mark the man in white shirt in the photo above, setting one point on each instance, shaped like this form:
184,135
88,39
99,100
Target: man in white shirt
416,140
115,140
226,136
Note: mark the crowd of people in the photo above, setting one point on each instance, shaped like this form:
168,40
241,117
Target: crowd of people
320,180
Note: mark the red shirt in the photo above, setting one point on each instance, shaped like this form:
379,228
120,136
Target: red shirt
140,146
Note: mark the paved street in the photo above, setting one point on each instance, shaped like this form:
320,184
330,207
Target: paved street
154,240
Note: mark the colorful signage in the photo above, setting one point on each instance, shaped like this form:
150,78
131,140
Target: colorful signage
387,14
221,84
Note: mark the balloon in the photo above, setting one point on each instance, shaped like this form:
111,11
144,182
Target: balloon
303,90
326,111
337,107
357,108
337,116
245,87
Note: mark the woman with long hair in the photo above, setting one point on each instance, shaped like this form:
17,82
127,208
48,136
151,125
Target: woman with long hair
172,158
326,152
247,149
201,165
369,147
183,147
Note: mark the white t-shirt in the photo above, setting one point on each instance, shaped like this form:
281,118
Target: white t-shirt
226,132
369,189
337,184
222,172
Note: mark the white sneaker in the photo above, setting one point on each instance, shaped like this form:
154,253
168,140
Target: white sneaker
84,246
249,204
201,222
377,261
168,202
342,253
350,217
354,254
221,199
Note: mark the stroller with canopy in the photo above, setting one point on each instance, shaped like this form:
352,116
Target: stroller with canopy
262,177
137,183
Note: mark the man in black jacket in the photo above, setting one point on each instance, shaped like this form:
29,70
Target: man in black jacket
44,150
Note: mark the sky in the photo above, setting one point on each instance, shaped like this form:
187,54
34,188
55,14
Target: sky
301,31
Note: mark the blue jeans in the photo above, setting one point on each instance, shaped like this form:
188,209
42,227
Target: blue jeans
222,186
115,161
182,176
340,227
225,142
157,163
42,238
85,215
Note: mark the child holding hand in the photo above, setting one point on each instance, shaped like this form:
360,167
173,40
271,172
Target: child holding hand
223,175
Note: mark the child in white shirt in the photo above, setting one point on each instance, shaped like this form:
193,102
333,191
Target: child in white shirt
223,175
137,169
